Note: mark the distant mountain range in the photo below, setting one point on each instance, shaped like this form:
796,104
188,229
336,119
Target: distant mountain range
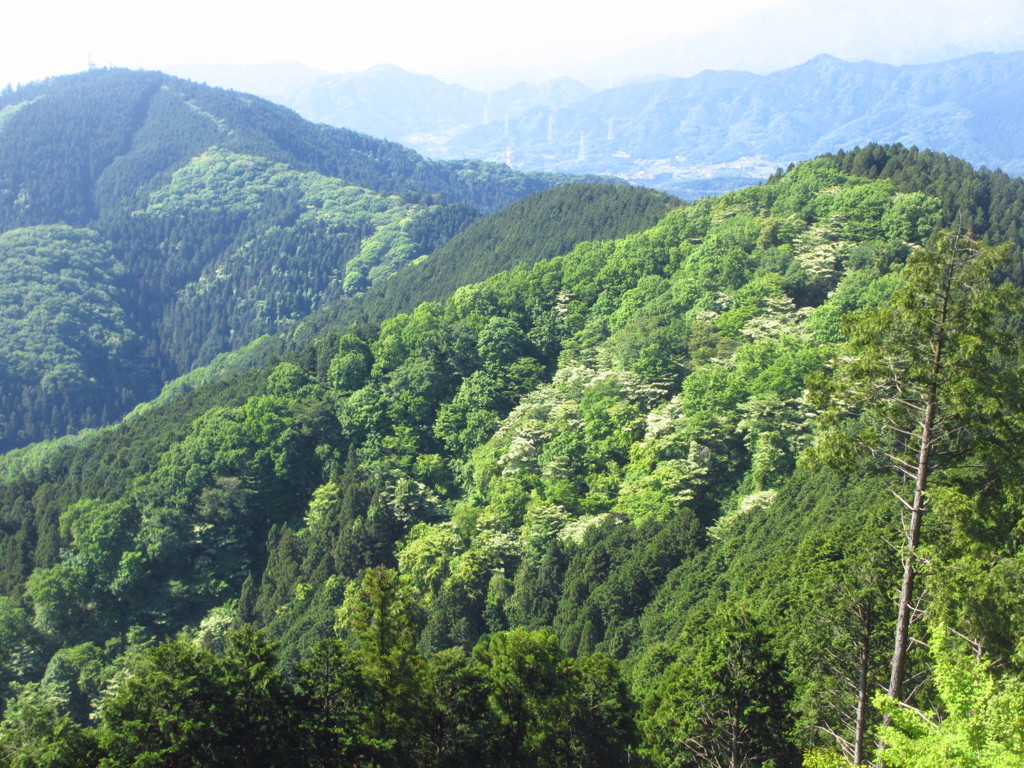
690,136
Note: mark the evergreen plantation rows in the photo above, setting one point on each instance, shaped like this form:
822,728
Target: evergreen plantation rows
543,225
620,506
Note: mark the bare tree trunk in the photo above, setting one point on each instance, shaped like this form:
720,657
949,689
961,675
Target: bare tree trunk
862,689
902,640
734,738
899,654
917,505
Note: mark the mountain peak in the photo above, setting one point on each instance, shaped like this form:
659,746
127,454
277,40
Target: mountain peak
823,61
390,69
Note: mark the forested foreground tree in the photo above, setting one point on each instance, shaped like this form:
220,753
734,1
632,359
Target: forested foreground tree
516,702
180,705
723,702
34,734
837,655
924,392
380,618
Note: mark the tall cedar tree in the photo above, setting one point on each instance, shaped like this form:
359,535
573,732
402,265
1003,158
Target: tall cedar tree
924,389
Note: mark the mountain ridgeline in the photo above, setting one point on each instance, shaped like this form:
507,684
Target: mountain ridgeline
692,136
637,503
148,224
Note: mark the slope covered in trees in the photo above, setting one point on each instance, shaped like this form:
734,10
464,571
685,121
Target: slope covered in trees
538,227
151,223
610,508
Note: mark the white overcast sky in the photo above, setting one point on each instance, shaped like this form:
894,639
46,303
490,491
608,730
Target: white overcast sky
447,37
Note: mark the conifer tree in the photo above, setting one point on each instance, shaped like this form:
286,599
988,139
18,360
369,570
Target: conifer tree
924,388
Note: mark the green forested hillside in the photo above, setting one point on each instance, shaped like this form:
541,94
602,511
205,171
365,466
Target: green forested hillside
77,146
67,335
220,217
643,503
538,227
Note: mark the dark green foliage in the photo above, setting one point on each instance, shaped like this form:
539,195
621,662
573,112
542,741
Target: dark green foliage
594,457
179,705
613,575
150,224
723,702
160,713
988,204
334,696
72,350
464,727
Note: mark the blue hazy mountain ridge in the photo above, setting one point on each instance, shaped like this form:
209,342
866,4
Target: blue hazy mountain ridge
683,134
388,102
392,103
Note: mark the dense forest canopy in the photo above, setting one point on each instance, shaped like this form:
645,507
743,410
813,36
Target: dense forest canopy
149,224
645,502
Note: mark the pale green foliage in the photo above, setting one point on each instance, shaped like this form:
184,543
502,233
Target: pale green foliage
823,758
383,253
727,523
817,252
215,628
20,655
541,524
913,216
220,180
325,498
64,313
981,722
34,734
425,556
286,380
854,211
491,550
859,288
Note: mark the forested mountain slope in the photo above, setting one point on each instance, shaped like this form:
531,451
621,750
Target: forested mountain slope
635,504
538,227
148,224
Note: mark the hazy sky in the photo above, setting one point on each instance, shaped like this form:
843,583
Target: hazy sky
534,37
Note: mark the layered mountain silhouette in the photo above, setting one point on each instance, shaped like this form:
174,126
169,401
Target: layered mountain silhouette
693,135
